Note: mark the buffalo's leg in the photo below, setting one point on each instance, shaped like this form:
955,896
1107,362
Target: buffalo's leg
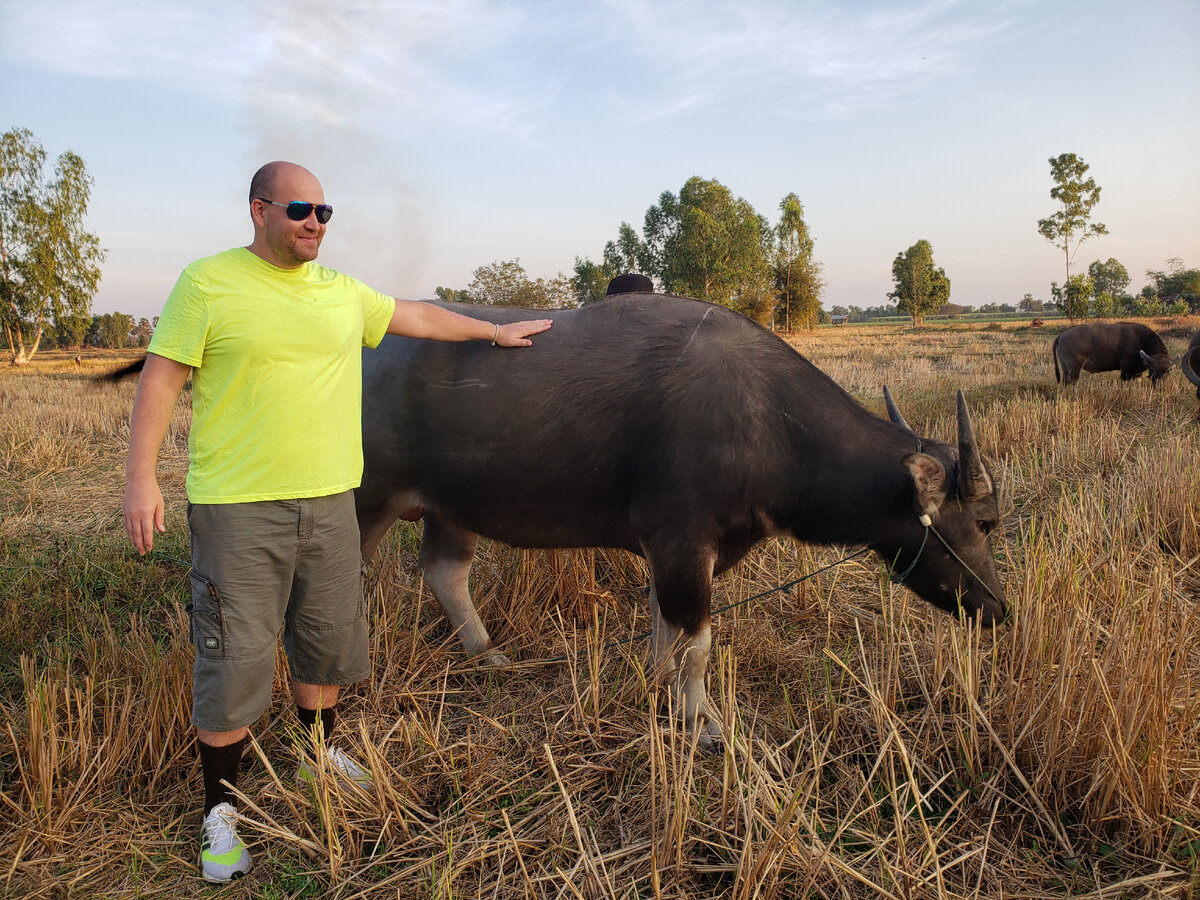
1068,368
375,515
682,641
446,555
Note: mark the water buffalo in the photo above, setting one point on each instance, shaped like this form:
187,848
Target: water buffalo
674,429
1103,347
1190,362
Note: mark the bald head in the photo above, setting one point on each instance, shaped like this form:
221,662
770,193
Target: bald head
277,191
264,180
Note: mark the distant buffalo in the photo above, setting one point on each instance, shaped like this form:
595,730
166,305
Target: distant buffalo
1129,347
1190,362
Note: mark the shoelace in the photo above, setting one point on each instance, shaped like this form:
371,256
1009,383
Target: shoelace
220,834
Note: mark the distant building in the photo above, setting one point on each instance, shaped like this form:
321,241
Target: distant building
839,320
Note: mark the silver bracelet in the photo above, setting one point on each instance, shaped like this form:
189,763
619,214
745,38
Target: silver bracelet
496,335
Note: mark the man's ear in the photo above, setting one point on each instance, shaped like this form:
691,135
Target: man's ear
929,482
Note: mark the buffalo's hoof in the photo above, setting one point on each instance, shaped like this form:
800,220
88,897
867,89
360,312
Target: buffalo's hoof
494,659
711,743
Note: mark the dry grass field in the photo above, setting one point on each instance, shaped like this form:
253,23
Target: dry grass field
878,749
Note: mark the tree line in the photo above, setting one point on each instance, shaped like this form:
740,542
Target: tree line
106,331
707,243
1102,293
703,242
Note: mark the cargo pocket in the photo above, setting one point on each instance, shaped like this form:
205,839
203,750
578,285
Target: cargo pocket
363,587
208,623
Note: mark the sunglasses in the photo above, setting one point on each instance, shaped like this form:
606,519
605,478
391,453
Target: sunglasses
298,210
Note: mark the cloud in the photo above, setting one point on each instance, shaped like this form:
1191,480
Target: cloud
836,58
506,69
208,44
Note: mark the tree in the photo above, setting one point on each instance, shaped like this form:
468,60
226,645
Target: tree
1068,228
590,282
1029,304
506,284
1177,282
872,312
1147,304
49,264
452,295
920,289
626,254
1104,305
70,331
1073,300
798,282
141,333
709,244
110,331
1109,277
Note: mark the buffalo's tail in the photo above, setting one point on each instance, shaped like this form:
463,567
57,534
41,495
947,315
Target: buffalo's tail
125,371
1057,372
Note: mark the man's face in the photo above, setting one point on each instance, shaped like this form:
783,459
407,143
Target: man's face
288,243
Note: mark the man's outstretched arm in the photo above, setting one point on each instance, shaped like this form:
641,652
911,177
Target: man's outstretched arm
414,318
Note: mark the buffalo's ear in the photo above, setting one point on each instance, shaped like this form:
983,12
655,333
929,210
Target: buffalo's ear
929,480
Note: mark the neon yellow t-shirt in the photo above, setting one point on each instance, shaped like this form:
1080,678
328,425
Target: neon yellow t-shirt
277,380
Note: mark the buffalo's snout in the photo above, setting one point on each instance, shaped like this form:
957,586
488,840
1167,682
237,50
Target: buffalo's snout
991,613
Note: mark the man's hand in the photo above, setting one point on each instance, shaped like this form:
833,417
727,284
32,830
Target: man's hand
143,512
517,334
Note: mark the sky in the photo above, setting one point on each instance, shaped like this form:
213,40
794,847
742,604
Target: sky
452,134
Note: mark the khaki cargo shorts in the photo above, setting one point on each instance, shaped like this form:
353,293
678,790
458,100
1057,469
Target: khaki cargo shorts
258,569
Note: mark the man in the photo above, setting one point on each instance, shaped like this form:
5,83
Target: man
273,344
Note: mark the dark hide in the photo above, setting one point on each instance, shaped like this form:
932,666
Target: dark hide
1129,347
1190,362
117,374
671,428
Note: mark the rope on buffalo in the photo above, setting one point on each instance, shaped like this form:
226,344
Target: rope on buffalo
787,586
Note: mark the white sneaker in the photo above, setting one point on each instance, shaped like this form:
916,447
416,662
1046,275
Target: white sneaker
343,766
223,856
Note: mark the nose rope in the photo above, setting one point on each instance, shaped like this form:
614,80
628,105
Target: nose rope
928,523
899,579
962,562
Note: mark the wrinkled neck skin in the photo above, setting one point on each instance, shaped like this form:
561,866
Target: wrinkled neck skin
863,493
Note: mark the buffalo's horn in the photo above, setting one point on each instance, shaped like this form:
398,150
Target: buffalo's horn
973,480
1186,365
893,410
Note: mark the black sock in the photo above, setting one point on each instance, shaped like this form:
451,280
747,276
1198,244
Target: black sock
308,718
219,763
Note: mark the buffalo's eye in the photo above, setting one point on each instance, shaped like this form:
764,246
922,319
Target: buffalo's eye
987,526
